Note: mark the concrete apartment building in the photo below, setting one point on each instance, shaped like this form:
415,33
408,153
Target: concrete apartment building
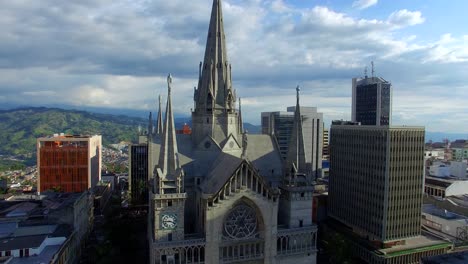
376,189
280,124
69,163
372,101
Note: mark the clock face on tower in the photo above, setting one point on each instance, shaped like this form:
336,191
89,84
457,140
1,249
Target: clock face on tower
168,221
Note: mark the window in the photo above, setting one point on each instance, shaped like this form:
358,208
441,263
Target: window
302,194
169,203
169,237
301,223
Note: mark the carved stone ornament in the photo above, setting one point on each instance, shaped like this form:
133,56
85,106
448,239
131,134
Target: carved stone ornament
241,222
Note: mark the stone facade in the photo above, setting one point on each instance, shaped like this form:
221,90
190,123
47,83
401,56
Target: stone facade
217,195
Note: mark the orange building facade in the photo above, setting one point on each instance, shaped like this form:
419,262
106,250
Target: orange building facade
68,163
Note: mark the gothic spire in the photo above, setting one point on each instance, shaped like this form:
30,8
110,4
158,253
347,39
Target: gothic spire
241,125
214,86
159,128
296,150
168,160
150,123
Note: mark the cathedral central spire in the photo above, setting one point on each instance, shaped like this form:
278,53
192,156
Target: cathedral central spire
214,87
215,115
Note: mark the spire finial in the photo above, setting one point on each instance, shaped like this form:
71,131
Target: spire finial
372,63
298,89
169,83
365,72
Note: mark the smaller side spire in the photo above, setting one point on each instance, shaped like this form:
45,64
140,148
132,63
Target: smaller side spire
168,159
296,160
240,125
159,124
150,123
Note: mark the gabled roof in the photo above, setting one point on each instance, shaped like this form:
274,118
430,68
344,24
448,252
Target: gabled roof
223,168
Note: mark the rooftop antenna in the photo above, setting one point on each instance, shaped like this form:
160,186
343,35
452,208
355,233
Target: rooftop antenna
365,72
372,63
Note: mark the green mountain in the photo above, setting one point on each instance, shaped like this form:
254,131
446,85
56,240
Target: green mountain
19,128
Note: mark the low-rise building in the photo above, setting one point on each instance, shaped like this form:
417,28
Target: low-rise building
435,153
47,228
454,169
448,224
459,149
444,187
449,258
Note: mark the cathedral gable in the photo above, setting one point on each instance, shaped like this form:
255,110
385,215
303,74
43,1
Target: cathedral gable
231,144
232,180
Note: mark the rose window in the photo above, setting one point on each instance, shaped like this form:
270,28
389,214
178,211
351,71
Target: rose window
241,222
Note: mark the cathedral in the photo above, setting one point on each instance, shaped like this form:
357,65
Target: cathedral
219,194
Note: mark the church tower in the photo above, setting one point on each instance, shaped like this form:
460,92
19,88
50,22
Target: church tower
168,194
296,169
296,189
215,115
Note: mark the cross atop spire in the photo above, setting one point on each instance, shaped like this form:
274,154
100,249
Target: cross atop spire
214,87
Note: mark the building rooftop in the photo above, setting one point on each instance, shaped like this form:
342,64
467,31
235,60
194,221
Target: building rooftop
356,125
371,80
434,210
450,258
12,243
34,230
45,257
61,136
415,244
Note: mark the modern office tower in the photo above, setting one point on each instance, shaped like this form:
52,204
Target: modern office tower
375,189
280,124
372,101
138,173
68,163
216,192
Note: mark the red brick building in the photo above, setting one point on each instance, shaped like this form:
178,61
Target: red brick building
68,163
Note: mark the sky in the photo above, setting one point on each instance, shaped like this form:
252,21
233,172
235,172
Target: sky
117,54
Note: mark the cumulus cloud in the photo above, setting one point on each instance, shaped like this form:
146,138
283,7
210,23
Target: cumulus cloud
363,4
117,53
404,17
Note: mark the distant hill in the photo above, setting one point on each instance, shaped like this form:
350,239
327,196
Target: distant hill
20,127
